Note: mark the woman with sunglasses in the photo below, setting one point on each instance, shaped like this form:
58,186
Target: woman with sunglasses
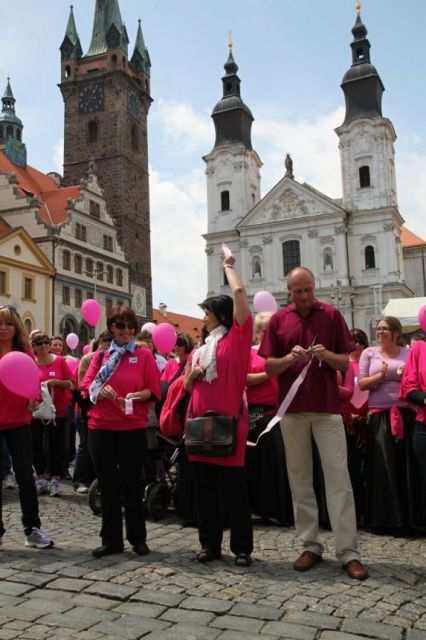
15,419
121,387
380,372
55,371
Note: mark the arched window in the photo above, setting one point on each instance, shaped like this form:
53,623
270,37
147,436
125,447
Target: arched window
9,132
99,271
134,138
256,268
28,325
18,135
1,132
67,72
370,257
78,263
224,201
92,131
364,177
328,259
291,255
119,277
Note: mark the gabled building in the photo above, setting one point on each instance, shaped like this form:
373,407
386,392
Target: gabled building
73,229
352,244
106,95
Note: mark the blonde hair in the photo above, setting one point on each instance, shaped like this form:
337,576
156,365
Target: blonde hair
20,341
261,321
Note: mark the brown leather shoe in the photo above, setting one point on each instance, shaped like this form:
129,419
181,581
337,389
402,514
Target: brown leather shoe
306,561
356,570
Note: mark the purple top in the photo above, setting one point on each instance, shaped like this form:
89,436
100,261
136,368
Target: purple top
386,393
286,329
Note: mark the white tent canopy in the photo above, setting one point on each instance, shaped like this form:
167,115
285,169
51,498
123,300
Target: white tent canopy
406,310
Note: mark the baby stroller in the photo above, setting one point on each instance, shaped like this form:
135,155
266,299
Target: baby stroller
160,476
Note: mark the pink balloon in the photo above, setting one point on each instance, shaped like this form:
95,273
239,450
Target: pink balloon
422,317
91,311
164,337
264,301
72,340
149,326
19,373
86,349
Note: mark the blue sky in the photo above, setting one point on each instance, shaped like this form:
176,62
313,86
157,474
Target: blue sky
291,58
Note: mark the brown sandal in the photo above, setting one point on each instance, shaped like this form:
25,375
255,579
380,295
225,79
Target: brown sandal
207,555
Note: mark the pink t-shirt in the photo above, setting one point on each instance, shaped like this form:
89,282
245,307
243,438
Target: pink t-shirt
13,408
265,393
170,370
58,369
414,378
136,371
225,394
386,394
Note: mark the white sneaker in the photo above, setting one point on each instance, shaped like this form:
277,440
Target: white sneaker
41,486
54,488
38,539
82,489
9,481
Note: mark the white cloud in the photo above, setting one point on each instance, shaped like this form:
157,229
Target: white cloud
182,128
178,219
58,156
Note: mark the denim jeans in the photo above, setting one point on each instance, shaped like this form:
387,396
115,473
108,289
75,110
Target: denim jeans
19,443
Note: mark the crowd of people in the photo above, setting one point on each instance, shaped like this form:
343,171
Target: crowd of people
325,430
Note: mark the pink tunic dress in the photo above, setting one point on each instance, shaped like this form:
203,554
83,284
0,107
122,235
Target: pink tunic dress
225,394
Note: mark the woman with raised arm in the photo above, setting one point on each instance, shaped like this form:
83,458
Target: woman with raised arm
216,378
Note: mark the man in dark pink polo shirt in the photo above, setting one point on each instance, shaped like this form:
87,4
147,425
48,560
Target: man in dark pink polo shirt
306,330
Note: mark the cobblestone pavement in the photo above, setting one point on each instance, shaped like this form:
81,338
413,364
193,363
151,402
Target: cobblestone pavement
167,595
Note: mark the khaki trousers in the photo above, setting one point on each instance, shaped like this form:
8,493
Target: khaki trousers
328,432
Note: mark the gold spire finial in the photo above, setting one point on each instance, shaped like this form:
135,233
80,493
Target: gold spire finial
230,40
358,7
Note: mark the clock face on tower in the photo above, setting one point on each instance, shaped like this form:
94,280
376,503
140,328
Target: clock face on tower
133,104
91,98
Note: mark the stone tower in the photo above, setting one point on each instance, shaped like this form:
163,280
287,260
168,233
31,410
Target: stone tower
107,99
11,130
233,177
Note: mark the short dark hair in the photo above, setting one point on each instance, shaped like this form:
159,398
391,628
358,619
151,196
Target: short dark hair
57,338
121,312
188,342
106,336
222,307
360,336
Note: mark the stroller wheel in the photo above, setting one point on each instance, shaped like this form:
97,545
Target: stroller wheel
95,498
158,500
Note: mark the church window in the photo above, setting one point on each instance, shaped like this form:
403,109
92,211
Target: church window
224,201
364,177
256,267
134,139
119,277
66,260
370,257
9,132
114,60
67,72
99,271
28,289
110,274
28,325
328,259
78,263
92,131
360,55
18,135
291,255
1,132
66,296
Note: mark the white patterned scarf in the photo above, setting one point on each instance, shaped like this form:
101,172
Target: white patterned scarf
205,356
105,372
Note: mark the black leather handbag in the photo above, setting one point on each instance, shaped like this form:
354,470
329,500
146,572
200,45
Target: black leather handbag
211,435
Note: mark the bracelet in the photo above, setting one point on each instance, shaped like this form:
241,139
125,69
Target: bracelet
228,266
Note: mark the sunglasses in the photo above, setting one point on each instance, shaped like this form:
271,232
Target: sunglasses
40,343
124,325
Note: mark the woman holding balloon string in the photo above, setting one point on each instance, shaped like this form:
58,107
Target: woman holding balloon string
121,386
55,372
16,404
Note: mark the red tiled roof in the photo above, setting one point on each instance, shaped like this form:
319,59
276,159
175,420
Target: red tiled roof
409,239
4,227
31,182
182,324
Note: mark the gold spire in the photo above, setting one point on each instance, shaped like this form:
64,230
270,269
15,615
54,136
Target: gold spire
230,40
358,7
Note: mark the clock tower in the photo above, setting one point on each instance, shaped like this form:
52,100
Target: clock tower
107,99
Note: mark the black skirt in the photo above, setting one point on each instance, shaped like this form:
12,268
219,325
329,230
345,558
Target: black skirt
269,490
388,473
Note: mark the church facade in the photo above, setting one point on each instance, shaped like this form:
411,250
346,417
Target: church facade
352,244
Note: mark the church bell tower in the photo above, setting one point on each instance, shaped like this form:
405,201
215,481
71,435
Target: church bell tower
107,99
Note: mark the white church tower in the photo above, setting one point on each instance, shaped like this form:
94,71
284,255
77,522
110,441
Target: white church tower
233,178
366,143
